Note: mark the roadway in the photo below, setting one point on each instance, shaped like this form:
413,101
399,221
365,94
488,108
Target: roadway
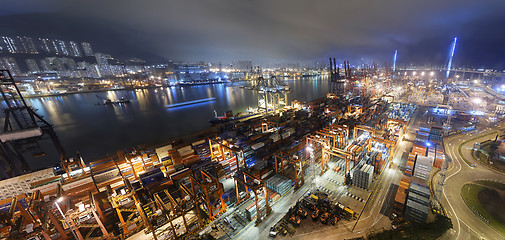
466,225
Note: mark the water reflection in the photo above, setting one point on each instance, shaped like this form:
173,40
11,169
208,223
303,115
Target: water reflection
96,130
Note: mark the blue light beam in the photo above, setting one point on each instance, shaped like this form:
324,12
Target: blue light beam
449,64
394,60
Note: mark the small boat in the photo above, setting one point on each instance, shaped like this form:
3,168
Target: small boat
122,100
107,101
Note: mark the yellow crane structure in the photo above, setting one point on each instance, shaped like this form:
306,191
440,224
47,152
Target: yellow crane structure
363,128
212,191
317,142
259,189
225,151
284,159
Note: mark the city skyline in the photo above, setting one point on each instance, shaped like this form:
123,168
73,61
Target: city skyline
266,33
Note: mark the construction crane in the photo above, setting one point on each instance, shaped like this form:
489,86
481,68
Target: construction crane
272,93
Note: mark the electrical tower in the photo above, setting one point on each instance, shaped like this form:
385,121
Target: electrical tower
337,84
24,132
272,93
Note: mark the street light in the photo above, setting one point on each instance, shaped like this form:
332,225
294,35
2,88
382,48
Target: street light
64,217
313,163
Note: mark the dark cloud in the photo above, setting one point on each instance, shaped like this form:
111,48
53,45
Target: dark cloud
287,31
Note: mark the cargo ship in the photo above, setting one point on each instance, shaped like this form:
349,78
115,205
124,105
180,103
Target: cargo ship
228,116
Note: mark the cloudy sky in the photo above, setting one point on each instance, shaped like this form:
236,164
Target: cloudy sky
267,31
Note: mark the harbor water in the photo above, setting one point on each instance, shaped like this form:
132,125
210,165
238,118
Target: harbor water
95,130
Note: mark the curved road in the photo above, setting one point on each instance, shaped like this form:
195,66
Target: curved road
466,224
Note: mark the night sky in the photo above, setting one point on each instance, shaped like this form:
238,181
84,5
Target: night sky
269,31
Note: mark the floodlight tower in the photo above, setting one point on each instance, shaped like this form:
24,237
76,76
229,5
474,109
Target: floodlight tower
451,55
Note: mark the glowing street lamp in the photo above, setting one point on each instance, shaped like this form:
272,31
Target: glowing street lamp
477,101
64,217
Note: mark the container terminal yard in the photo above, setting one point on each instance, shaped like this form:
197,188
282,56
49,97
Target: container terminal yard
368,157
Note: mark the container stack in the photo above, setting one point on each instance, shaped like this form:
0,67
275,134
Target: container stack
202,149
341,164
409,167
163,155
377,161
262,170
363,176
275,137
279,184
419,148
417,203
422,167
424,128
251,209
401,111
422,137
436,134
401,197
273,196
439,157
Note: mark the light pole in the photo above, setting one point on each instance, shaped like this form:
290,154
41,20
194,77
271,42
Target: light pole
65,218
313,164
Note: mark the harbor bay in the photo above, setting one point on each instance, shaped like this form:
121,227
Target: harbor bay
96,130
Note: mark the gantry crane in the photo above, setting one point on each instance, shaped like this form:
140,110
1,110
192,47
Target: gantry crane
23,131
337,84
69,164
212,193
80,222
283,159
339,134
363,128
272,93
225,149
317,142
174,209
257,186
24,211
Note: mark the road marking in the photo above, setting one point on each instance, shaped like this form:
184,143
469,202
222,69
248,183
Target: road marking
447,199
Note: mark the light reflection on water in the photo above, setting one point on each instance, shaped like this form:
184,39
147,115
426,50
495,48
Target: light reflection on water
96,130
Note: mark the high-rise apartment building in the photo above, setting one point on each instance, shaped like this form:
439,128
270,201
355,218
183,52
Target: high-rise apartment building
74,49
9,45
45,45
45,65
32,65
63,47
25,45
101,59
86,47
10,64
55,47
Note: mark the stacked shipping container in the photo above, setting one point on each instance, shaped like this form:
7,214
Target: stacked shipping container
363,176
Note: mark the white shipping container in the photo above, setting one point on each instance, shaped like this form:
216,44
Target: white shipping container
257,146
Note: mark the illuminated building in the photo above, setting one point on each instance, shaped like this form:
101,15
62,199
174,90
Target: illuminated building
86,47
32,65
11,64
74,49
9,44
